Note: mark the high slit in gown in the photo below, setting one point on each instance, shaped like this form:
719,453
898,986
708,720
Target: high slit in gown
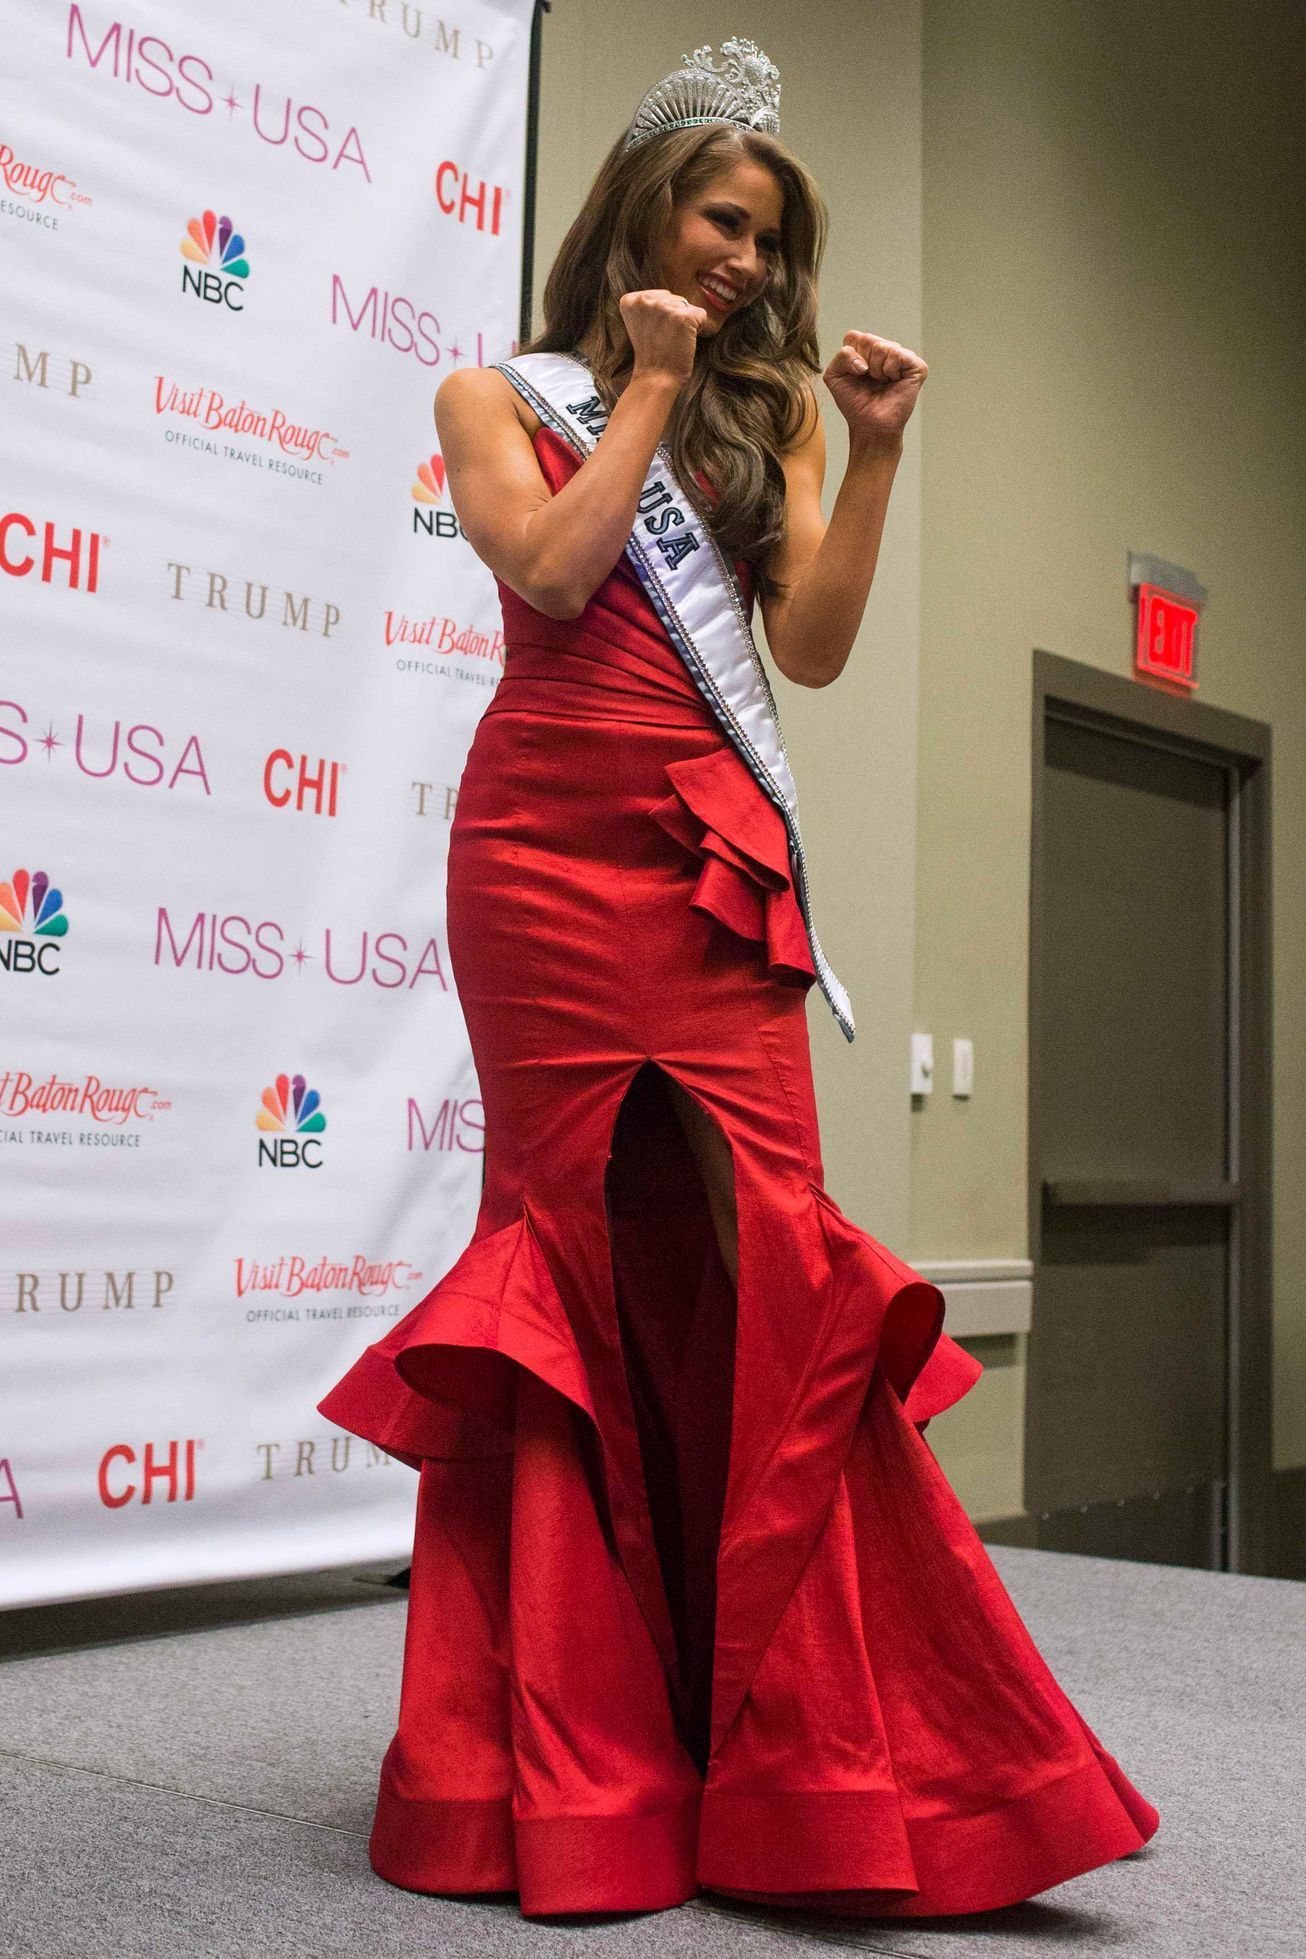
692,1604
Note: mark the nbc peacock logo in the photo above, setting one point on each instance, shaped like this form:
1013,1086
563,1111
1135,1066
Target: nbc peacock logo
32,923
428,494
429,487
216,265
291,1126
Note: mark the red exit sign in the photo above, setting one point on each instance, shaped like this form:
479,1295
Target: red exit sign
1169,601
1167,635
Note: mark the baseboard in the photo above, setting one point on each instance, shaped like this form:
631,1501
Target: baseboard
982,1296
1286,1534
1007,1530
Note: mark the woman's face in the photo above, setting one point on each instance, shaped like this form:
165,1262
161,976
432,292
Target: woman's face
723,241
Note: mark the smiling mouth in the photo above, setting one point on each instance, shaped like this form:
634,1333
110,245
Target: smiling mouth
718,301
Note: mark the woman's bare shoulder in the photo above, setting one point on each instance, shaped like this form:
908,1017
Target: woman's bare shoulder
469,394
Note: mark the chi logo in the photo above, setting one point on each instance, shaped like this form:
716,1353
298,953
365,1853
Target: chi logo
216,266
161,1472
31,910
428,491
292,1123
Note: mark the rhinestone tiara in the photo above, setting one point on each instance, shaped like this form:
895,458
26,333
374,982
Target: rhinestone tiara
743,88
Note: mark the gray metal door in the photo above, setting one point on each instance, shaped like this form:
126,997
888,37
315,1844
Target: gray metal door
1128,1405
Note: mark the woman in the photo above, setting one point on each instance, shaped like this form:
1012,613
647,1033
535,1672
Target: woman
692,1604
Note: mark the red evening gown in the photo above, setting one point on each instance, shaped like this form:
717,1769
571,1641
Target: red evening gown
692,1603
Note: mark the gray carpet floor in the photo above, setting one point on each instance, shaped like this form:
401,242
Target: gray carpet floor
192,1773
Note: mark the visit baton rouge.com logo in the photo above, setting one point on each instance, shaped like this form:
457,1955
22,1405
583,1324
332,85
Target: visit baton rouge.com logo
36,189
292,1123
216,266
115,1111
428,492
32,922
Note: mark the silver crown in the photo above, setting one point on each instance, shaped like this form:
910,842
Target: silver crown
743,89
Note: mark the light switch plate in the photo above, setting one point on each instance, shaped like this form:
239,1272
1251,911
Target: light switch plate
963,1067
922,1064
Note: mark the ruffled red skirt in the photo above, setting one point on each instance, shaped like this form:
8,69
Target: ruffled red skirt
692,1603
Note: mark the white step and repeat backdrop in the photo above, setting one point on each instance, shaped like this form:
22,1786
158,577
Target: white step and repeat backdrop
243,651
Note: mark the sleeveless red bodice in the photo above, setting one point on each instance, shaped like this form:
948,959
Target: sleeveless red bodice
615,659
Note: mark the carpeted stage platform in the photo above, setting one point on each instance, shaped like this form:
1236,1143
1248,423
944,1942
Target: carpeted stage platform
192,1773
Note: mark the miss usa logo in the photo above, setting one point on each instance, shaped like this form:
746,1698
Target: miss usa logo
32,922
292,1123
216,266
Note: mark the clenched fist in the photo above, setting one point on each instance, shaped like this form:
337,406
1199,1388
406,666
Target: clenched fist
875,384
663,330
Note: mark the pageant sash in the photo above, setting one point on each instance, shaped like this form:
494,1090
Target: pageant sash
696,595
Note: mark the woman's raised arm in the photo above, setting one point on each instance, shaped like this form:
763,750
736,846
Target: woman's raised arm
828,568
555,551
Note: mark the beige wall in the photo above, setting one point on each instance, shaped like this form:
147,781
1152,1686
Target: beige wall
1114,228
1089,221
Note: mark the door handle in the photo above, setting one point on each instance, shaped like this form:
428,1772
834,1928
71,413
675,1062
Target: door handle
1211,1192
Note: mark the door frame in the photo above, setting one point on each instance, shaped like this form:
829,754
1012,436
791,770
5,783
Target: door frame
1160,717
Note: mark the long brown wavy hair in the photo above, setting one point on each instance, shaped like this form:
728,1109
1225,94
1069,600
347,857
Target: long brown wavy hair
747,398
